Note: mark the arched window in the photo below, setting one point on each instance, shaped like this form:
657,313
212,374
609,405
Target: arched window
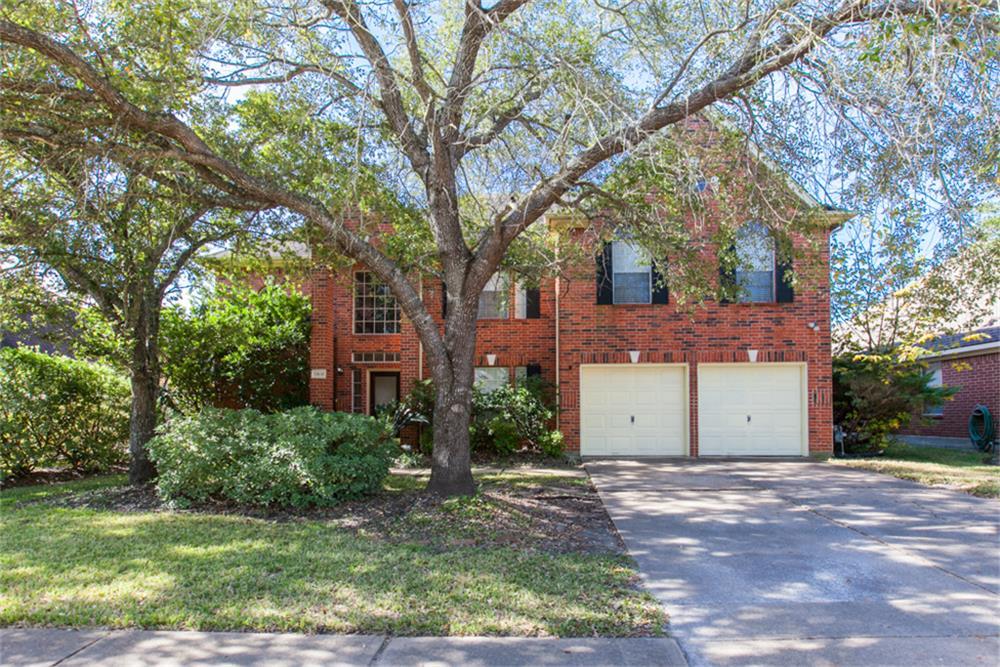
755,273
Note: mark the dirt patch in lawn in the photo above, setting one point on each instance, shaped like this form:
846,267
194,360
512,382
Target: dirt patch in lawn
522,509
50,476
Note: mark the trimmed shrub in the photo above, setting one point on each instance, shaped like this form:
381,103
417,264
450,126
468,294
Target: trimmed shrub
299,458
57,411
512,416
504,421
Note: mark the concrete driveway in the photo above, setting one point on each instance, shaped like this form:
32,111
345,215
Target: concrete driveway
807,563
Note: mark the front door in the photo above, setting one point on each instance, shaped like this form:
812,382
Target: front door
383,390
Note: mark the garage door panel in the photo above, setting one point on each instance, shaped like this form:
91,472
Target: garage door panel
771,394
632,410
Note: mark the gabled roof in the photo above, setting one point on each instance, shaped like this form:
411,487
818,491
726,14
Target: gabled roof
836,215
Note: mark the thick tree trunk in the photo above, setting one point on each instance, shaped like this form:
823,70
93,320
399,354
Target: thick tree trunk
142,424
145,376
451,469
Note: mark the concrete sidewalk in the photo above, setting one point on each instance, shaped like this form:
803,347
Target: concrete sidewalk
72,648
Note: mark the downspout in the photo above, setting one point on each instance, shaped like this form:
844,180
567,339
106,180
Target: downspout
420,344
558,360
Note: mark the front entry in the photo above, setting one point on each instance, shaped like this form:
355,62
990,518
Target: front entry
383,390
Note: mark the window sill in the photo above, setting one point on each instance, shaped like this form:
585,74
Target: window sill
933,415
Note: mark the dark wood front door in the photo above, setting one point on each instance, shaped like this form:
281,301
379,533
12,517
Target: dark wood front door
383,389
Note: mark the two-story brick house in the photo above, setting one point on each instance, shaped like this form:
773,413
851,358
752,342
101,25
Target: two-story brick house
635,374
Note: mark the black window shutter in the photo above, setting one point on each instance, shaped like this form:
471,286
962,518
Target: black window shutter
534,370
605,276
660,292
532,303
727,277
444,301
783,292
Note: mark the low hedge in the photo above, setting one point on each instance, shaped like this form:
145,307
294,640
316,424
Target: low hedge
60,412
301,457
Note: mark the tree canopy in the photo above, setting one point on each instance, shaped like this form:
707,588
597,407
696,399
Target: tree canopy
463,123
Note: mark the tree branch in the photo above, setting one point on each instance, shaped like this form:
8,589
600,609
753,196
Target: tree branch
506,117
193,150
414,147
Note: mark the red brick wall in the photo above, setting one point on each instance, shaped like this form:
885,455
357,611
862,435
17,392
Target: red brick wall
593,334
711,333
979,379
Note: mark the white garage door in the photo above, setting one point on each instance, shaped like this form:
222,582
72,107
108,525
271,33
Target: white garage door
634,410
751,410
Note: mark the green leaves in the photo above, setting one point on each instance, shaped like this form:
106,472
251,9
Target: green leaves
298,458
241,346
878,392
58,411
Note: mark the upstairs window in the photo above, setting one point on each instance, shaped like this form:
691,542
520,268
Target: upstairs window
375,308
632,278
493,300
755,264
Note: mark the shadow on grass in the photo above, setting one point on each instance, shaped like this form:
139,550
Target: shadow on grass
82,567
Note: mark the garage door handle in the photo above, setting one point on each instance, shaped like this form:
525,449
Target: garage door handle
632,418
748,419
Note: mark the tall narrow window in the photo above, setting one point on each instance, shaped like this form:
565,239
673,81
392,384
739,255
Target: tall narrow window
493,300
937,380
375,308
357,397
755,263
632,281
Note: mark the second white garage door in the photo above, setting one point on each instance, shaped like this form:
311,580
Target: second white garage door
751,410
633,410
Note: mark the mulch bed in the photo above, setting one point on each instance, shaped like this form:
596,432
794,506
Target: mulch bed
49,476
556,517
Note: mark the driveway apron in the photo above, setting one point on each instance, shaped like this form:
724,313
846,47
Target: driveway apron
802,562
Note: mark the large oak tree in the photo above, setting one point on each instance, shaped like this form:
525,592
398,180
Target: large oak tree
484,116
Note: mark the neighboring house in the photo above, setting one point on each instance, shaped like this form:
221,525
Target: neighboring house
635,375
971,362
48,339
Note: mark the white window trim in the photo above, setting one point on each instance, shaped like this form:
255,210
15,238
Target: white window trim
774,269
937,380
354,309
506,377
614,272
520,302
503,288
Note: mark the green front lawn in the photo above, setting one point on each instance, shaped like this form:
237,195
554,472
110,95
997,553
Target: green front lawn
935,466
76,555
